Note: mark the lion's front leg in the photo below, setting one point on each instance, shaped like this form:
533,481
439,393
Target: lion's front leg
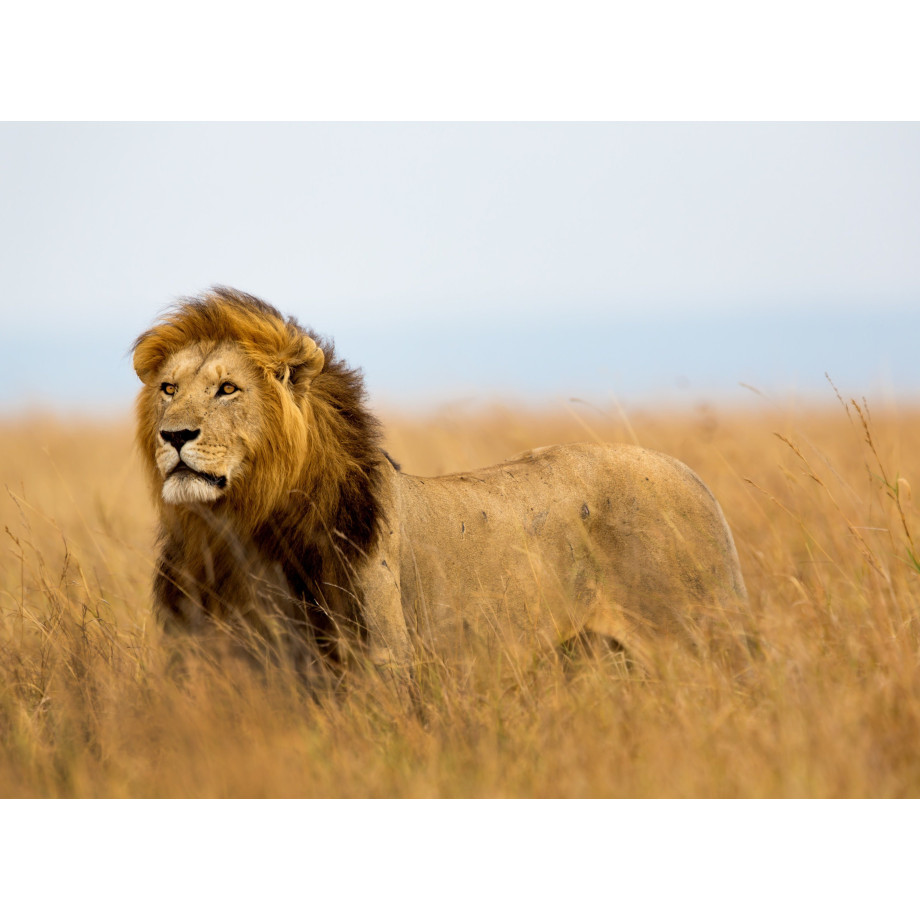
389,643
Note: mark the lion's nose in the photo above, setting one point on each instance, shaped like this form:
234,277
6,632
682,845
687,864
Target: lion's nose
178,438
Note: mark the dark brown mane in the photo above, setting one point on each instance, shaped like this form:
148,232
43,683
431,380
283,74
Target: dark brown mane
319,549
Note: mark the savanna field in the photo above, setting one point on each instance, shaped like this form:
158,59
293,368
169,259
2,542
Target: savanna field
819,501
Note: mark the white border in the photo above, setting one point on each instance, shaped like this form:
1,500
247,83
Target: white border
459,859
483,59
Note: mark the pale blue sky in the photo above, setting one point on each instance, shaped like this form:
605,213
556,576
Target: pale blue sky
635,261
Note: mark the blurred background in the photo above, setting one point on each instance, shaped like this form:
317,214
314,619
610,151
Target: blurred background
636,263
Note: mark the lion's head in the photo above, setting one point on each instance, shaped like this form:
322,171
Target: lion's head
236,412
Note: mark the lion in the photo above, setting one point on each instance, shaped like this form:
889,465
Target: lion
277,504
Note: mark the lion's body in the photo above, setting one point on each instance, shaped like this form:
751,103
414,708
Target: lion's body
610,538
275,497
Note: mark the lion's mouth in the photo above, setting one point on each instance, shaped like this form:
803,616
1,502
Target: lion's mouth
183,468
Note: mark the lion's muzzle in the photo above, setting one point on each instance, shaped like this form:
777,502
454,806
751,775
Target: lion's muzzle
183,481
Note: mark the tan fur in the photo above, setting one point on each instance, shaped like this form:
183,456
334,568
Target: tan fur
289,506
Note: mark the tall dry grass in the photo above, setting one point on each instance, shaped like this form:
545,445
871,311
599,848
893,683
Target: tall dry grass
820,505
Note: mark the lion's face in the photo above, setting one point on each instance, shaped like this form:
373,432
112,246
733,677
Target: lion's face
208,418
226,409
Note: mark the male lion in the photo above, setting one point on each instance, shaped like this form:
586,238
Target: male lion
276,504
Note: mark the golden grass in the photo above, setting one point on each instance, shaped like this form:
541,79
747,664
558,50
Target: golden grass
824,524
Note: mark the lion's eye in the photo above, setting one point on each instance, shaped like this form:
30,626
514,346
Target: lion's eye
168,388
225,389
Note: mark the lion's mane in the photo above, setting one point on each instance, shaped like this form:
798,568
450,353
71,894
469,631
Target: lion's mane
310,499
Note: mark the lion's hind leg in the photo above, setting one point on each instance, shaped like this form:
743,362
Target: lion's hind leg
588,645
606,634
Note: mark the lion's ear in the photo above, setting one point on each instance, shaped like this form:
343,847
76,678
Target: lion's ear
148,357
306,366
